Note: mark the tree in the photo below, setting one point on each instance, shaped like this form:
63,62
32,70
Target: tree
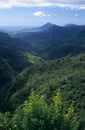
36,114
70,120
62,120
58,111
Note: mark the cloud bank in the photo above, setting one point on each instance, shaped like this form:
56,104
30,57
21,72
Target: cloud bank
73,4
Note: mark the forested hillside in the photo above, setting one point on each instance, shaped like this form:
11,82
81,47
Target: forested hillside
13,59
66,75
42,79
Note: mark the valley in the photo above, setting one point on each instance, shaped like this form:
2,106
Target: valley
35,64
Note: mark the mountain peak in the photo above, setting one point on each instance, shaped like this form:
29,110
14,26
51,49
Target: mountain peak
46,26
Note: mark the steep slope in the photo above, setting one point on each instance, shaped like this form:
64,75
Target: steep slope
67,74
14,51
7,74
13,59
10,50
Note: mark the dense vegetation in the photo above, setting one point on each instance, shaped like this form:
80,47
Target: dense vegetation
65,74
33,67
36,114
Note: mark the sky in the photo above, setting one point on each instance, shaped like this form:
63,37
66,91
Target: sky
39,12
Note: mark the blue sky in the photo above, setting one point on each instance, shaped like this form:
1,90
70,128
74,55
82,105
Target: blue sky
39,12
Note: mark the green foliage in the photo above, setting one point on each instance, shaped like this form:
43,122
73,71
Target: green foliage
5,120
32,114
70,119
66,74
35,114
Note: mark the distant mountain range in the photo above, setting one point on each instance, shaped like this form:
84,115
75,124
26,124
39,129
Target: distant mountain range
43,27
54,39
48,39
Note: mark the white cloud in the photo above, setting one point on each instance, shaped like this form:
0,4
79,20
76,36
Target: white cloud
42,14
39,13
77,4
